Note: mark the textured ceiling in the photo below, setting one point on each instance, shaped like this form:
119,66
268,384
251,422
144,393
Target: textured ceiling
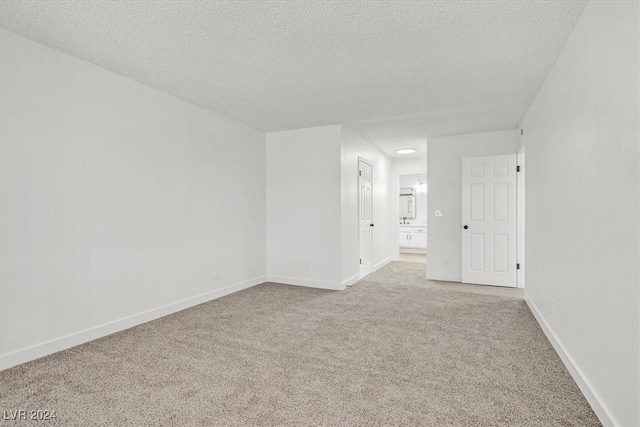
395,72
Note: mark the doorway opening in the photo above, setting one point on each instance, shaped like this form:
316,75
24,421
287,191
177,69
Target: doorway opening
412,218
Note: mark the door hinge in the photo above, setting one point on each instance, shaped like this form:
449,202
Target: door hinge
518,168
521,131
360,261
518,266
359,173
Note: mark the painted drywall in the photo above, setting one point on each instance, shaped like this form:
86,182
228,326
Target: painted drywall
119,203
444,193
581,135
415,181
352,148
303,207
410,166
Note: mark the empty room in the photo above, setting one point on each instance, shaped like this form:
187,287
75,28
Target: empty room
237,213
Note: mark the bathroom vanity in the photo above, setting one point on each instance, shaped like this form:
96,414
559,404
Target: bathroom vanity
413,236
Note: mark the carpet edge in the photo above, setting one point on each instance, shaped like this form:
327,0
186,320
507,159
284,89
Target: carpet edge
602,412
65,342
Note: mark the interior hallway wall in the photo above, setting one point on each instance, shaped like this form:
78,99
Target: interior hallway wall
303,207
409,165
353,146
582,136
119,203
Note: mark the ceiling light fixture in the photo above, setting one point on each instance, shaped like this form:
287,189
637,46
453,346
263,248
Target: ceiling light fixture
406,151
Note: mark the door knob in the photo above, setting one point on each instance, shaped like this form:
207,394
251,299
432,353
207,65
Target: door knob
371,225
465,227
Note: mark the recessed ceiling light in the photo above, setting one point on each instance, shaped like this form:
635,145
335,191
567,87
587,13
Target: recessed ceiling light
406,151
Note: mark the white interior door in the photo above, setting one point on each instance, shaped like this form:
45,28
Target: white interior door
365,216
489,220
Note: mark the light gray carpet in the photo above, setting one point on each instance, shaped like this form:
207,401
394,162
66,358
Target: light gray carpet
395,349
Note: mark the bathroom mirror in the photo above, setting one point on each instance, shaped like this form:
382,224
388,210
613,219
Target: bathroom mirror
407,203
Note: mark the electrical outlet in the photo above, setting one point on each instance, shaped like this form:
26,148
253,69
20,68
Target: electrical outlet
216,274
307,266
552,306
446,262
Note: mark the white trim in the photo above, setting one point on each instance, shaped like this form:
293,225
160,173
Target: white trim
350,281
370,164
381,264
446,277
598,406
396,215
374,268
62,343
521,221
309,283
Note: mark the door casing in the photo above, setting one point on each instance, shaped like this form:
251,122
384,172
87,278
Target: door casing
365,217
521,219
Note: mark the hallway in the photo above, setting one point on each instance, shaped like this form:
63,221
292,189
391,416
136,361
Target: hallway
410,257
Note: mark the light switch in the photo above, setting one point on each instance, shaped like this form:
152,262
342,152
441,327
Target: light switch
439,213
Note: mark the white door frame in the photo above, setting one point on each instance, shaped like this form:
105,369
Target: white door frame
521,221
360,270
396,223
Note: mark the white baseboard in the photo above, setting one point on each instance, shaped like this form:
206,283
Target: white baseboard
309,283
446,277
382,263
374,268
598,406
62,343
351,280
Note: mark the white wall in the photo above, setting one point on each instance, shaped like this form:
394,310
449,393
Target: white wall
312,206
582,142
410,165
119,203
413,181
444,156
353,146
303,207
